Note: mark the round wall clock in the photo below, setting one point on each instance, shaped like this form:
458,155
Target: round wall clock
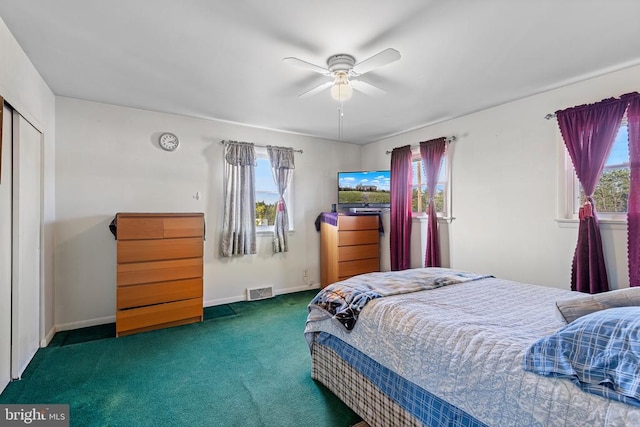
169,141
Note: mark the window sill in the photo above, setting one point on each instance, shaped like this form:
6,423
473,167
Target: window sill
421,217
262,233
608,224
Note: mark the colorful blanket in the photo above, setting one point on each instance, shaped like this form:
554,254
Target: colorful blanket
345,300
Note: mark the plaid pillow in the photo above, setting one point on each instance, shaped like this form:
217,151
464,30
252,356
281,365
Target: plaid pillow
600,352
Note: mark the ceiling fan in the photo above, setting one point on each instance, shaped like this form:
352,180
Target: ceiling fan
344,71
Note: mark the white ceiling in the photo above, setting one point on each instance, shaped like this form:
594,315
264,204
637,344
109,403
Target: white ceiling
222,59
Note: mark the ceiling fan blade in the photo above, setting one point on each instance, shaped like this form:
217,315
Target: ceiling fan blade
367,88
316,89
306,65
385,57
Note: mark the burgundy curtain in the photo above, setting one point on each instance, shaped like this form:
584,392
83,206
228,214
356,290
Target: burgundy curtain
633,203
431,153
400,227
589,132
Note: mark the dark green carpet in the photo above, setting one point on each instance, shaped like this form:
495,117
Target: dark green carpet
247,364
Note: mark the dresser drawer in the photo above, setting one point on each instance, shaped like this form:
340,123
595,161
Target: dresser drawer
160,315
158,271
350,253
140,227
156,293
358,222
361,237
192,226
353,268
157,226
164,249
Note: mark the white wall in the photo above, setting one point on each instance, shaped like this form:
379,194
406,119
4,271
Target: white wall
505,190
505,186
108,161
22,86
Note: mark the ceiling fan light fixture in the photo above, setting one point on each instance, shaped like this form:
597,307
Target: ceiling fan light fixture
342,66
341,89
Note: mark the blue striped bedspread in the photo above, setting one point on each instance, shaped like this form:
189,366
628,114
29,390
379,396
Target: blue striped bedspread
465,344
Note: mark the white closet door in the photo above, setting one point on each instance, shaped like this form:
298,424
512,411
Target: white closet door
27,197
5,252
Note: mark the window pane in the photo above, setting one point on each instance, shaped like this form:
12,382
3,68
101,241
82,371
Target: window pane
612,191
417,173
420,195
266,194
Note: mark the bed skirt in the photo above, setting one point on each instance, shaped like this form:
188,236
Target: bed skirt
365,395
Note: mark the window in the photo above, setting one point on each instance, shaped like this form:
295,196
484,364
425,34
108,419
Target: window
612,191
420,196
267,194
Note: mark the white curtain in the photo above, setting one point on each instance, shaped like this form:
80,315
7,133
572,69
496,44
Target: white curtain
282,165
239,224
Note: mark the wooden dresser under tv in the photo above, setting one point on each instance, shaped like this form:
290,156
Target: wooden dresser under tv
349,245
159,270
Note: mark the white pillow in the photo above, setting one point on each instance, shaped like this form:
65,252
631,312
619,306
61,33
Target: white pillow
573,308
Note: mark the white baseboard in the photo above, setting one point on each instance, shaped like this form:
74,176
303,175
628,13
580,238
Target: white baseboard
85,323
48,337
243,297
220,301
111,319
309,287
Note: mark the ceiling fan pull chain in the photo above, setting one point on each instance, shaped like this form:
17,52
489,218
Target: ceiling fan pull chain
340,117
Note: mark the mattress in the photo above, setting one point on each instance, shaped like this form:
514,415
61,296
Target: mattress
465,344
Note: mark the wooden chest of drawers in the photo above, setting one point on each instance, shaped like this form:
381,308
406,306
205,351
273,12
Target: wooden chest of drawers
348,248
159,270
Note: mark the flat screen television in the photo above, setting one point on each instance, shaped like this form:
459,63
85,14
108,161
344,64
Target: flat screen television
364,189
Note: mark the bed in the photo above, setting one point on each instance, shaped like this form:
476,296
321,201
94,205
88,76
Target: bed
439,347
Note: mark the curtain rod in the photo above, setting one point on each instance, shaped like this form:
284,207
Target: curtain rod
448,140
553,115
263,146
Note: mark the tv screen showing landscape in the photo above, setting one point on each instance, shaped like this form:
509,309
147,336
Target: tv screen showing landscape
364,188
